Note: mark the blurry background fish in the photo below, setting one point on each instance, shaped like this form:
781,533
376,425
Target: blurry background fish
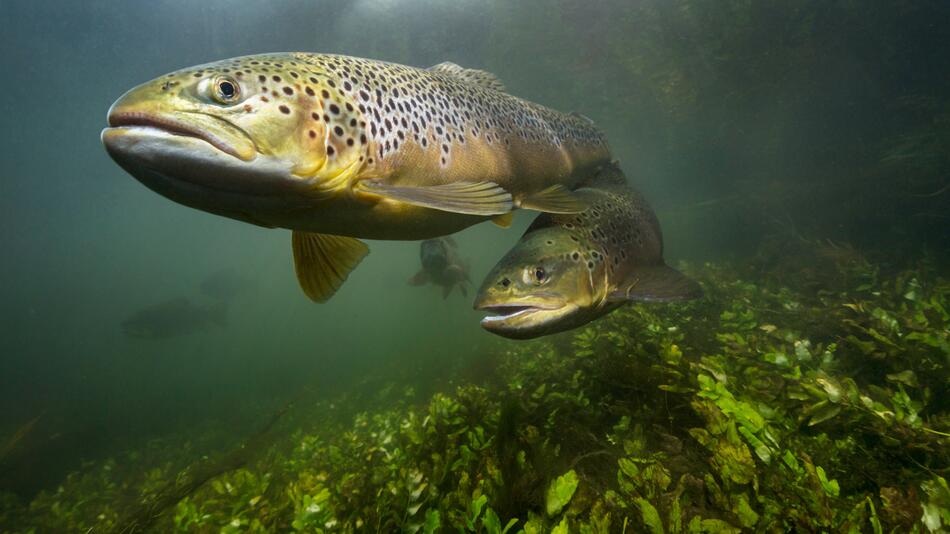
175,317
181,316
442,266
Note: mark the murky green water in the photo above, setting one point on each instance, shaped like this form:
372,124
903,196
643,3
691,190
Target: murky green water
795,153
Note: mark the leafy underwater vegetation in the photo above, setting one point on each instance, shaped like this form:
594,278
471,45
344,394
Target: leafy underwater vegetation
778,406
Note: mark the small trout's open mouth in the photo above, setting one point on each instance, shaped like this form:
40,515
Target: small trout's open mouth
518,312
240,145
525,318
505,312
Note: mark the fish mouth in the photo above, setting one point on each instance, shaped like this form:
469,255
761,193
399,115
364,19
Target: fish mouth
215,131
524,319
505,312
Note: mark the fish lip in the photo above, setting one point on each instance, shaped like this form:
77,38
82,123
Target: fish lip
144,119
507,311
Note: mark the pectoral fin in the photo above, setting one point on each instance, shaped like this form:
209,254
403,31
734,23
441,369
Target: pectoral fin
323,262
554,199
471,198
656,284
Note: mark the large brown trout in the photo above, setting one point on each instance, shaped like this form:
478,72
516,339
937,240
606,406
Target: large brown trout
568,270
337,148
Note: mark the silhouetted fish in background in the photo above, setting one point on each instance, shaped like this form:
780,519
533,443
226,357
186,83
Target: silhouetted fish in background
173,318
442,266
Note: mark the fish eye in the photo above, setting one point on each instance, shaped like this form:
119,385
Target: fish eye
226,90
539,274
505,282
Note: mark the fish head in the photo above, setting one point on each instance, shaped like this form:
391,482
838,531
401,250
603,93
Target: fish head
540,287
434,255
236,136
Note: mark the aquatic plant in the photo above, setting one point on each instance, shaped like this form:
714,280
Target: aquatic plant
762,407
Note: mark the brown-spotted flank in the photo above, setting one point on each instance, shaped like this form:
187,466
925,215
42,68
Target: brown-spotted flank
335,147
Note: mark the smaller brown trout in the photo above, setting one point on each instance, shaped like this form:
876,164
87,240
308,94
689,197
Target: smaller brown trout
568,270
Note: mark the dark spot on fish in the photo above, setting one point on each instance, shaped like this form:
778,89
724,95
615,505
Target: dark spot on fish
334,109
284,109
312,133
330,150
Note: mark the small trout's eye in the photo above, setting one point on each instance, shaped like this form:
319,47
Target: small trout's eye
226,90
539,274
534,275
505,282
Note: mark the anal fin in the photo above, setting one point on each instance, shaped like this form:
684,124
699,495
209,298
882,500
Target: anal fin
658,283
323,262
554,199
471,198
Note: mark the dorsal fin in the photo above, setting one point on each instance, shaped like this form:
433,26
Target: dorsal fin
582,117
473,76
